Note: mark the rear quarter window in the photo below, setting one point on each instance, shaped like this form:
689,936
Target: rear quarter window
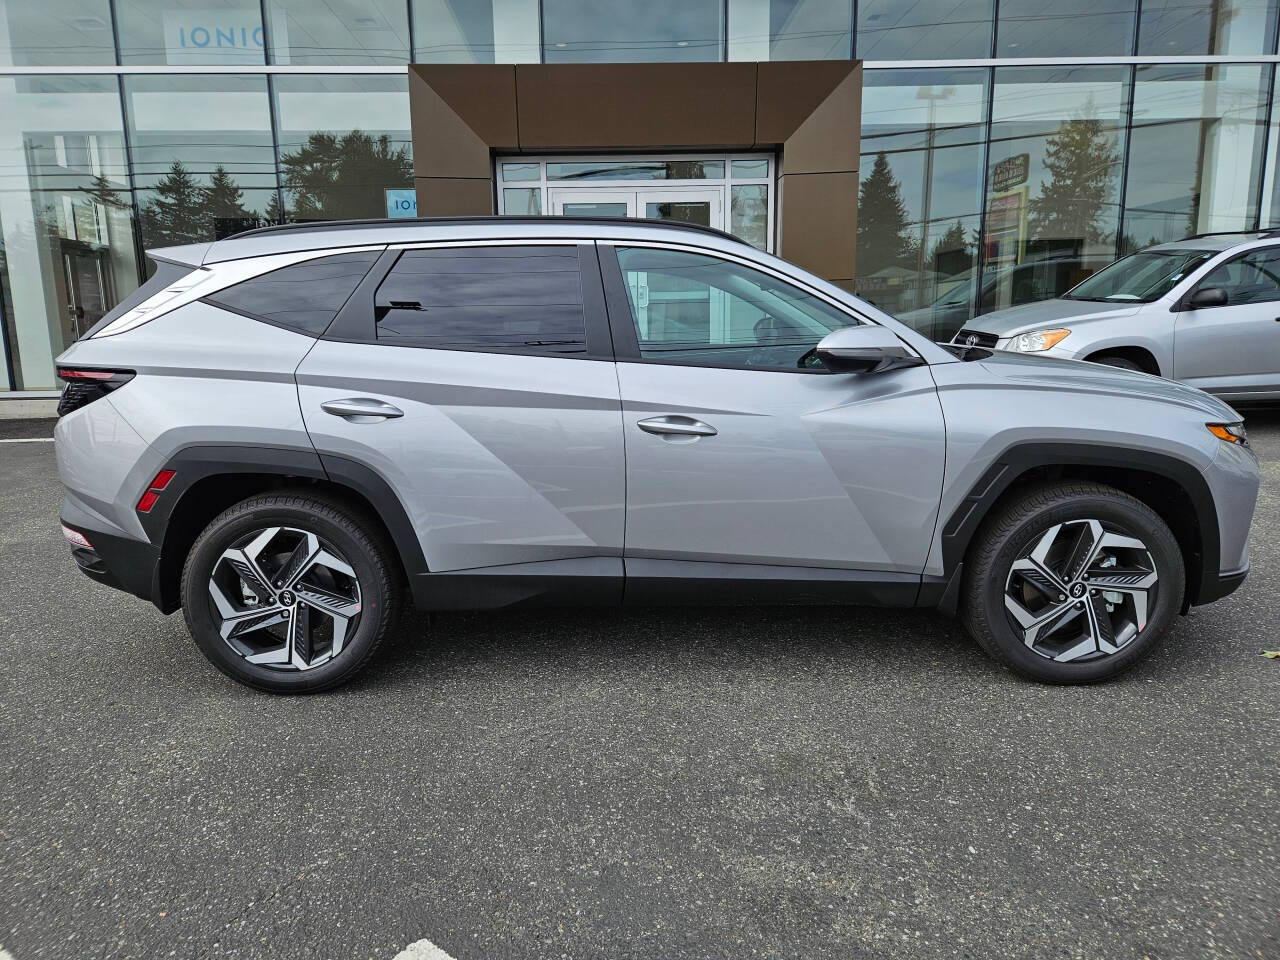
302,296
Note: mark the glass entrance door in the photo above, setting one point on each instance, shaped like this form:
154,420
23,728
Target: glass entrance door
730,192
687,205
592,203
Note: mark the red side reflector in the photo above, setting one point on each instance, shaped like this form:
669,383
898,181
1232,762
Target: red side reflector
76,538
66,374
158,483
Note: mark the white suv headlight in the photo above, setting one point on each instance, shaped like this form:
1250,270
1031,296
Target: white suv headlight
1037,341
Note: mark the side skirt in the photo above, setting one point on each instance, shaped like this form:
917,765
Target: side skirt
612,582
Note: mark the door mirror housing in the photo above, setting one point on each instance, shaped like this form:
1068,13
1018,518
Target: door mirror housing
864,349
1207,297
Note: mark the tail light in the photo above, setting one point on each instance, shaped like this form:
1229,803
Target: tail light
83,386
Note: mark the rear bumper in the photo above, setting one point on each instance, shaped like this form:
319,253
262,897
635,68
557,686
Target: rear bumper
119,562
1215,587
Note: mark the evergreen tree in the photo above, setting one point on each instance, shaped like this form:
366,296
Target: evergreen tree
224,200
883,238
177,212
1081,159
275,212
103,191
952,253
338,178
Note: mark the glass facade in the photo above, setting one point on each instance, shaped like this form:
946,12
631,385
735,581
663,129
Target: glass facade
998,165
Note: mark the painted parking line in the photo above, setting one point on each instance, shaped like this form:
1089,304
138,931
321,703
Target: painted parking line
28,440
418,950
5,954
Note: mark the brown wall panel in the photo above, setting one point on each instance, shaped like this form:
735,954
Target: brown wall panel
819,222
453,197
807,111
646,105
788,91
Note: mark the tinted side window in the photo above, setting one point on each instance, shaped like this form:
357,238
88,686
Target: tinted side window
303,296
485,298
691,308
1253,278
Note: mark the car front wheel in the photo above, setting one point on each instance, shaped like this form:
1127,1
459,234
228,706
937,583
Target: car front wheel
290,593
1072,583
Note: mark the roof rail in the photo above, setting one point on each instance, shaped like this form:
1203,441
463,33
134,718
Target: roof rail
323,225
1264,231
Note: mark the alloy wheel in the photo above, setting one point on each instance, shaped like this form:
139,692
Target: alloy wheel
284,598
1081,591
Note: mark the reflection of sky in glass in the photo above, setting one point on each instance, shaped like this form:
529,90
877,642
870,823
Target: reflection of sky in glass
656,30
1081,28
924,29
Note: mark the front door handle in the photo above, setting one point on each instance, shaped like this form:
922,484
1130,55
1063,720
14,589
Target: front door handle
677,426
361,410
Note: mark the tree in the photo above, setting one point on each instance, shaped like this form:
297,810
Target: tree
104,192
177,212
274,212
953,253
332,178
224,204
1081,159
883,238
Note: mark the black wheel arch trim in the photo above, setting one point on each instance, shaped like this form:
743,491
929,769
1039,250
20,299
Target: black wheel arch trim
202,461
964,521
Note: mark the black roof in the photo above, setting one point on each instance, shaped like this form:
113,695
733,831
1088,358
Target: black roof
323,225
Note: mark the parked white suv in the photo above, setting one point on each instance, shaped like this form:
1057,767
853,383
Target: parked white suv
1204,310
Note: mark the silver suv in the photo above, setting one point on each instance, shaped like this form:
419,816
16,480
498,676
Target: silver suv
284,432
1205,311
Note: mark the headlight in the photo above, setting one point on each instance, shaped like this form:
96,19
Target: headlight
1035,342
1230,432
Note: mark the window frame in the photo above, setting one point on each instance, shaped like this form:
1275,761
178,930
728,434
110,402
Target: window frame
357,321
1182,304
622,321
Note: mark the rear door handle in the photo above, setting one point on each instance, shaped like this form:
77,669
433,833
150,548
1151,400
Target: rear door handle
361,409
674,425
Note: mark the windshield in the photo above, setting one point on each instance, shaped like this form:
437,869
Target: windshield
1139,278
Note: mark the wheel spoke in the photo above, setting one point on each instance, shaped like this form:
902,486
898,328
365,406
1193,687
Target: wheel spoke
1040,577
300,637
1084,548
300,561
339,609
1041,623
251,575
1132,583
1100,629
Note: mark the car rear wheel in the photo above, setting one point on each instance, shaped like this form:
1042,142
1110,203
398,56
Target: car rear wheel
290,593
1072,583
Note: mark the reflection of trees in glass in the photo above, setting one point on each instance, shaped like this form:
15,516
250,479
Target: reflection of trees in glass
1080,159
883,238
104,192
185,211
175,214
223,199
953,253
343,178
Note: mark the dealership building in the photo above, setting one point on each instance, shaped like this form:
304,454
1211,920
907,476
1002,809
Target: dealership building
943,158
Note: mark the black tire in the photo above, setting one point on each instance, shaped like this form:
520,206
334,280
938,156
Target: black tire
1009,532
356,539
1123,363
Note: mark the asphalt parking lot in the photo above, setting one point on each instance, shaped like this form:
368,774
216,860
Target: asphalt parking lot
675,783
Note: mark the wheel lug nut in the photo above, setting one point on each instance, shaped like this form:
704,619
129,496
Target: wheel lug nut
1062,596
1079,604
1093,593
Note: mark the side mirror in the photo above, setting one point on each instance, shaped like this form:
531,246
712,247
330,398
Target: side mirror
1207,297
864,349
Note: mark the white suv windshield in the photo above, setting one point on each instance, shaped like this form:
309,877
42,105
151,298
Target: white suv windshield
1139,278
